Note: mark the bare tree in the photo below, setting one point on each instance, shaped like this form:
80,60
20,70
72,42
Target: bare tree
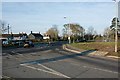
53,32
90,30
91,33
74,30
64,32
3,27
108,34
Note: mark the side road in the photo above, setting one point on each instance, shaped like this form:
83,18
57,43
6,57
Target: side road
93,53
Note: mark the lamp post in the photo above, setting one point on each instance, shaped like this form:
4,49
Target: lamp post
116,25
68,31
69,34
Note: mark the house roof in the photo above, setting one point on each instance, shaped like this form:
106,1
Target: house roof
6,35
22,34
14,35
37,34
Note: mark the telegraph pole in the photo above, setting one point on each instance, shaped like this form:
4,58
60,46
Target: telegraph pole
69,34
8,28
68,31
116,25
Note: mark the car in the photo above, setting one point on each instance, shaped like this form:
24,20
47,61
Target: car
28,44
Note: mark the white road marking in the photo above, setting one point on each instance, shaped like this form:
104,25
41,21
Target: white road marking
19,54
5,76
9,55
54,71
101,69
51,70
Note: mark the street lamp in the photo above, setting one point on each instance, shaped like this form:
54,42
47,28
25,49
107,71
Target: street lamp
68,31
116,35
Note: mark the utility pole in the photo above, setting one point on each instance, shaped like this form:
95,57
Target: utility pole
116,25
8,28
68,31
69,34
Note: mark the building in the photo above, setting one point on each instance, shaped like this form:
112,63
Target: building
20,36
35,36
7,36
46,37
23,36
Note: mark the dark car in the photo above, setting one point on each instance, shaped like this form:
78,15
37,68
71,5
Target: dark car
28,44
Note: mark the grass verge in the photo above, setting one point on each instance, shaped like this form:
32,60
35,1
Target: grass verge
100,46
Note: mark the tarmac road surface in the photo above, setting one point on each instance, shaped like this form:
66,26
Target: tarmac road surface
54,62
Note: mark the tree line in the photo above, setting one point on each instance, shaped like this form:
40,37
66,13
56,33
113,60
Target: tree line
76,32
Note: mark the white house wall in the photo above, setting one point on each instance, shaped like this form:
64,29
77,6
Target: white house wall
31,36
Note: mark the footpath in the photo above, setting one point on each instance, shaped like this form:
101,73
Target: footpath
92,53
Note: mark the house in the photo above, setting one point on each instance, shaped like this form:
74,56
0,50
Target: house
20,36
16,37
3,40
35,36
46,37
7,36
23,36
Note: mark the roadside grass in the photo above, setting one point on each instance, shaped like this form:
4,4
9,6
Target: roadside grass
100,46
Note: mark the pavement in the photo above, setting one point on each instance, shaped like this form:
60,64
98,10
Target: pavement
94,53
54,62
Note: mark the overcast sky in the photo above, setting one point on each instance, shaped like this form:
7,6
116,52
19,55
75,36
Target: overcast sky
40,16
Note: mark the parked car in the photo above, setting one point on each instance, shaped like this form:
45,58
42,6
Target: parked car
28,44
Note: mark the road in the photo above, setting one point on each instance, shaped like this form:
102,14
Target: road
51,61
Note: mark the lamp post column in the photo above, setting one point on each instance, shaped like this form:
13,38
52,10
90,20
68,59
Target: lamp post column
69,38
116,35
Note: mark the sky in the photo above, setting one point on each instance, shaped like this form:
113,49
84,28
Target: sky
57,0
40,16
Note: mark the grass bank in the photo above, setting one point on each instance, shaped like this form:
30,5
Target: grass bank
100,46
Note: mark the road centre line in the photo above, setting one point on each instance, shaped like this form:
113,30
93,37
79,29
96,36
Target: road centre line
51,70
101,69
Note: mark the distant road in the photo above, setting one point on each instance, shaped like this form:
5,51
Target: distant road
51,61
